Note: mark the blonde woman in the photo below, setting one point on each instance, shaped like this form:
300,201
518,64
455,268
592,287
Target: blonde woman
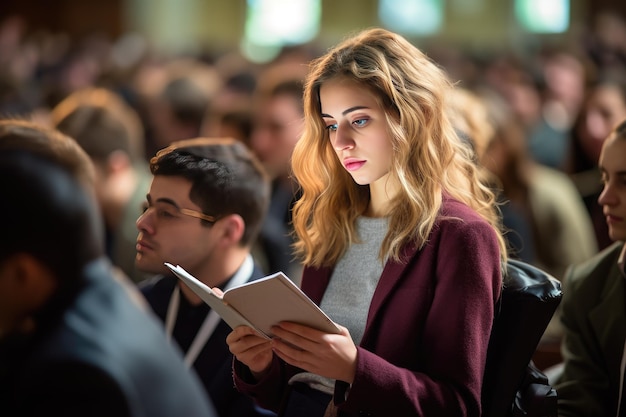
400,243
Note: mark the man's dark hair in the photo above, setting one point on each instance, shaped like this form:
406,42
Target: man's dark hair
226,178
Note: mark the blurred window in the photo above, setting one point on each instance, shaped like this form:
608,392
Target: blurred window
272,24
543,16
412,17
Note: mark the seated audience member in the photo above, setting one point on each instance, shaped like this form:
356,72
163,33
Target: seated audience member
73,340
277,123
594,307
177,100
204,210
604,108
470,116
393,223
544,200
546,197
111,133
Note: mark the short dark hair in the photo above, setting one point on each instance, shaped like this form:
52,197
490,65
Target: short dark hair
47,213
226,178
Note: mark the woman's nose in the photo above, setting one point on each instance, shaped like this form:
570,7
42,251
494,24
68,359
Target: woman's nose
607,196
342,138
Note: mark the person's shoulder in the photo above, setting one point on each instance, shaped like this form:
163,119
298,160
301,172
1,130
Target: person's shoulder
460,223
555,187
455,211
595,270
105,329
543,174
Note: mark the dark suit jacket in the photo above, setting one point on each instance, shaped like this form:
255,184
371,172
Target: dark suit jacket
97,352
213,364
594,319
425,342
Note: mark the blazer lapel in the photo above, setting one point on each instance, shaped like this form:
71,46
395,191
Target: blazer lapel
610,328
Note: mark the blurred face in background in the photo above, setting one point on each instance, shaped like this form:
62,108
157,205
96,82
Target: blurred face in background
604,108
277,126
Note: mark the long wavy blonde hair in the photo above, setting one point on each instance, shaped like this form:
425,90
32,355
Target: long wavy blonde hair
429,159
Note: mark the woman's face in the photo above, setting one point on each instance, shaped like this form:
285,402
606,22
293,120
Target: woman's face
613,197
603,110
358,132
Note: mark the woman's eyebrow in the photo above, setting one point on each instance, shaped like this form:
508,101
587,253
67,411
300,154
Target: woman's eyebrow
351,109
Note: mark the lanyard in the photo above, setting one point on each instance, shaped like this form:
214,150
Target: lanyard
212,319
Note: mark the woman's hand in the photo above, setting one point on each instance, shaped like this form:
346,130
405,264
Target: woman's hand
251,349
329,355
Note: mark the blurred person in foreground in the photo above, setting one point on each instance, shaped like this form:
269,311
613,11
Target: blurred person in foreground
593,310
111,133
203,211
74,341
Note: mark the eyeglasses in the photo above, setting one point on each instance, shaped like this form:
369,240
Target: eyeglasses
169,210
197,215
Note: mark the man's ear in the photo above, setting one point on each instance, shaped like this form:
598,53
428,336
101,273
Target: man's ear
233,227
25,285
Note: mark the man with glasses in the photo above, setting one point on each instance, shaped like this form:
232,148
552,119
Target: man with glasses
204,209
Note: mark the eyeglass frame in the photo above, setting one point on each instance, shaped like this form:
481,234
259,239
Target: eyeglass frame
197,214
184,211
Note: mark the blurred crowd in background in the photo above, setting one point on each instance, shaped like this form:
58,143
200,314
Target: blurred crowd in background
537,123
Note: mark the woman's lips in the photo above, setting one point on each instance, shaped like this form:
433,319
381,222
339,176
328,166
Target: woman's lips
613,219
353,164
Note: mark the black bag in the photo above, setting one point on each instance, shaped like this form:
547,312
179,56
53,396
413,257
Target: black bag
535,396
512,385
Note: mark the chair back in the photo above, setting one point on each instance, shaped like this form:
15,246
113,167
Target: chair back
529,299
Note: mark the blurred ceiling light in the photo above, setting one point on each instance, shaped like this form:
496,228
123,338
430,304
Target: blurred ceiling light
412,17
272,24
543,16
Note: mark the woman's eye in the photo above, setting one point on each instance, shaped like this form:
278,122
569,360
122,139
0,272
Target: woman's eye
360,122
332,127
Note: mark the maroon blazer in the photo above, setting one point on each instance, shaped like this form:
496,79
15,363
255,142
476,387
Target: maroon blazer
425,342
